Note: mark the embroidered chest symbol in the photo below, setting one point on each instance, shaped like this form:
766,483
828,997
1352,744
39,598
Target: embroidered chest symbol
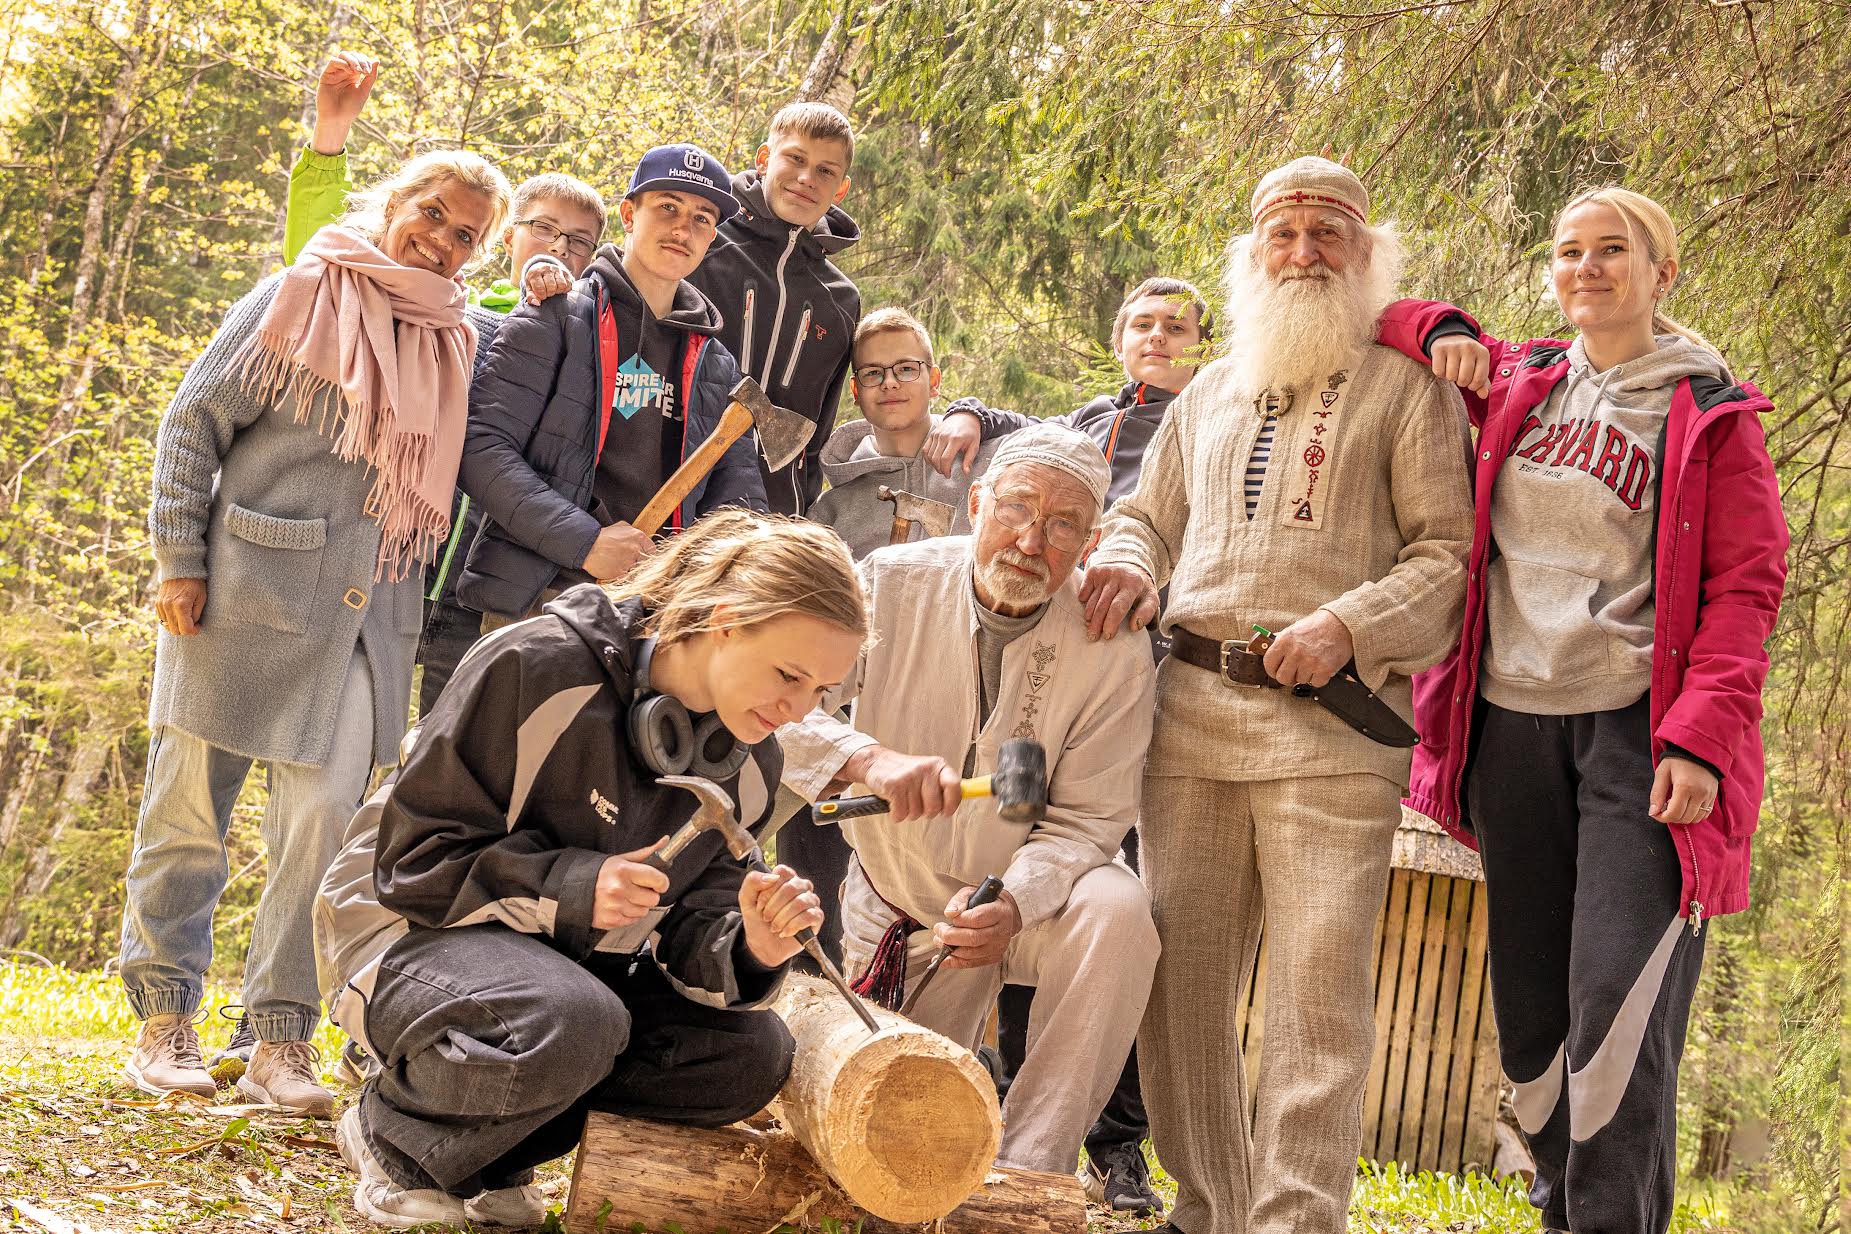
1309,480
606,808
1043,655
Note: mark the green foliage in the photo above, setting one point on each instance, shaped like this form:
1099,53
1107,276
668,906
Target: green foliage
1020,164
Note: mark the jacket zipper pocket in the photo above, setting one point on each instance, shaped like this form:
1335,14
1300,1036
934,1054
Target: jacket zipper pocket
803,332
745,342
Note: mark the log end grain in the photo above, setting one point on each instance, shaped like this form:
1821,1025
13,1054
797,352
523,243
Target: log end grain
905,1121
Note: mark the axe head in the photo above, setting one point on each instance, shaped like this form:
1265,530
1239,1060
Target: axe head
782,434
934,516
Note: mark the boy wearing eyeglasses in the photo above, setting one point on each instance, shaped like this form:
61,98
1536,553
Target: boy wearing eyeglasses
586,403
555,223
893,379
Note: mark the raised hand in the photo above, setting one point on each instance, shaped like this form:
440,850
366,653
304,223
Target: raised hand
340,96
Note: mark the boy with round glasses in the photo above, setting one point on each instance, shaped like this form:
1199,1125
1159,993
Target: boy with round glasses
894,378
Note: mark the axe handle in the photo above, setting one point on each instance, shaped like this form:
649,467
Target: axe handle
902,530
734,424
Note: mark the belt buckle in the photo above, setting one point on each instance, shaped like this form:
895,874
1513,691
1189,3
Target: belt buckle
1229,645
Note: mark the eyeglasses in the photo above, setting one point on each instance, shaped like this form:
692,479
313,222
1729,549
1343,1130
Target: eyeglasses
1063,533
904,372
549,235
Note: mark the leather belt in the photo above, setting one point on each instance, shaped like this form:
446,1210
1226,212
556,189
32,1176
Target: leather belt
1229,660
1344,695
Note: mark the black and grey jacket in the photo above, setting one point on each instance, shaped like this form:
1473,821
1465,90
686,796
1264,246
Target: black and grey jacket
517,787
790,318
1123,424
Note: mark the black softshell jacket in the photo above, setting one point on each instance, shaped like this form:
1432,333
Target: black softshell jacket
790,317
521,784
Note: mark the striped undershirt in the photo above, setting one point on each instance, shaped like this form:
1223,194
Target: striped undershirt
1262,455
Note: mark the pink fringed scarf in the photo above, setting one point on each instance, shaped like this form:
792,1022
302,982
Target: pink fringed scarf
384,352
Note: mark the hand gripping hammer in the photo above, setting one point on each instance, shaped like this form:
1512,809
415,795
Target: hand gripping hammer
716,814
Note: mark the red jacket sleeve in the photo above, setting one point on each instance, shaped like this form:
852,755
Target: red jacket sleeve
1405,325
1744,572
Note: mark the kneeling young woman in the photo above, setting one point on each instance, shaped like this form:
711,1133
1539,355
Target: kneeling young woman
537,969
1596,733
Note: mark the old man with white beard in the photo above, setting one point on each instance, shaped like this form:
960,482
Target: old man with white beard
980,639
1310,484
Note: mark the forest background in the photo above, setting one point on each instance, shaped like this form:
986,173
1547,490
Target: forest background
1022,162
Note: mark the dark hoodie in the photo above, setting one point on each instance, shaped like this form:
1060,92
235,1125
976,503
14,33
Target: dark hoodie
1121,423
790,318
548,404
519,786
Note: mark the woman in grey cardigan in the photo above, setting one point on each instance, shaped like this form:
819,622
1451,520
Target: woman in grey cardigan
305,463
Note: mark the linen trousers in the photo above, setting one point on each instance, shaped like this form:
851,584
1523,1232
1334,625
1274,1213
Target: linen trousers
1090,964
1306,859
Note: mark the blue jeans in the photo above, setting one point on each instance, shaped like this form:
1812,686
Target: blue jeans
178,869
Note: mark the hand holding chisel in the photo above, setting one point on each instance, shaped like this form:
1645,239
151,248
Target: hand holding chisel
987,892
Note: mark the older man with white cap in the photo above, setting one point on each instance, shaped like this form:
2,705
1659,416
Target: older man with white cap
980,639
1306,501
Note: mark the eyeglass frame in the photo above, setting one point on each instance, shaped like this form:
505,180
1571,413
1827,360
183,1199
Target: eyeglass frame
925,367
1037,518
540,227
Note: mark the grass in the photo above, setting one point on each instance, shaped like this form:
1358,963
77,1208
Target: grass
81,1152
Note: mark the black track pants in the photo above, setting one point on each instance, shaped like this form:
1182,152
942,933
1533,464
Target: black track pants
1592,969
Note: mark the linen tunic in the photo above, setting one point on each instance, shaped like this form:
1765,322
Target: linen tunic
1387,558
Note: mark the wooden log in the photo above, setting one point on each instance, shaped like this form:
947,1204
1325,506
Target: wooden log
746,1181
905,1121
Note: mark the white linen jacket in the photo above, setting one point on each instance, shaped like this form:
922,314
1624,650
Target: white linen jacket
915,690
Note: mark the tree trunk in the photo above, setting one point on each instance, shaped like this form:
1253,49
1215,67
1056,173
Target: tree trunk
737,1178
832,77
905,1121
137,62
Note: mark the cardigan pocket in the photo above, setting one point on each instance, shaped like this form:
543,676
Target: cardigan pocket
268,569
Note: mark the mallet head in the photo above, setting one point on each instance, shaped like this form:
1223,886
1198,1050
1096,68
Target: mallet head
1020,782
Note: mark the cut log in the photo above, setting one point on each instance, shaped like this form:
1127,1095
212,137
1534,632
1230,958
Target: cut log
905,1121
748,1181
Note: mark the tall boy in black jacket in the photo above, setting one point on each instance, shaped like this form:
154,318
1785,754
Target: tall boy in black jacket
789,313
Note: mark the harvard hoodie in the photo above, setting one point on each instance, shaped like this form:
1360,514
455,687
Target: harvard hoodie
1574,518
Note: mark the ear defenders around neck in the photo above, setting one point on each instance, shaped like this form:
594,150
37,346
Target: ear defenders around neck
666,739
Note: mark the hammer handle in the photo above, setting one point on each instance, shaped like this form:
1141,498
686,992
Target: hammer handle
860,807
734,424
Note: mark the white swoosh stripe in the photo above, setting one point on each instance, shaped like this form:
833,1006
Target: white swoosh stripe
1535,1100
537,736
1594,1092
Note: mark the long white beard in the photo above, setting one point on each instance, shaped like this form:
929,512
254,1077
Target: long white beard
1292,333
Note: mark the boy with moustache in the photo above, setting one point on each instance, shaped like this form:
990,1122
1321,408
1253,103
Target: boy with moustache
788,313
588,402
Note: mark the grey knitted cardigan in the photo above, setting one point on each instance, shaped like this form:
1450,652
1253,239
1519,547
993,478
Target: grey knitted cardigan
261,508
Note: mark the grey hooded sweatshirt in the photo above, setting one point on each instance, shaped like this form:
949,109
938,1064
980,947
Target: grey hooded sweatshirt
1574,518
856,469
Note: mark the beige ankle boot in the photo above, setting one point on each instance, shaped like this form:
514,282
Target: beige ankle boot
167,1058
284,1073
